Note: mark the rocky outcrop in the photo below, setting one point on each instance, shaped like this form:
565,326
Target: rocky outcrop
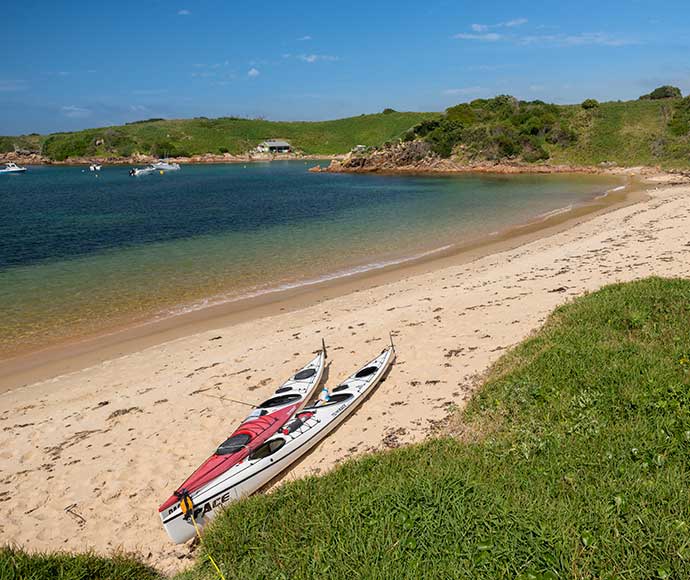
417,157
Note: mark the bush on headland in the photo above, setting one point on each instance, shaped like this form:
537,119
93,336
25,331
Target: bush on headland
571,461
664,92
590,104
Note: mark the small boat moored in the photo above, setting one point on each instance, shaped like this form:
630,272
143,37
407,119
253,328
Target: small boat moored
138,171
94,167
300,434
12,168
165,165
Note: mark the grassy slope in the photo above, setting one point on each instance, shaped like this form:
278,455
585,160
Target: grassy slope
197,136
574,465
628,133
571,462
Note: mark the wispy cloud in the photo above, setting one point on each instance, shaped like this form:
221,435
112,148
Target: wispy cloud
12,86
74,112
184,12
253,73
305,37
484,37
580,39
312,58
465,91
483,33
507,24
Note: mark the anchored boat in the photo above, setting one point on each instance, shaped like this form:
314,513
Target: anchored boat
12,168
260,425
287,445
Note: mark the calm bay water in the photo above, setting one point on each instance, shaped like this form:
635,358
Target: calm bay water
81,253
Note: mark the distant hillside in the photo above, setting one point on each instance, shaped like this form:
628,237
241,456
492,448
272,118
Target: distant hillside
649,131
654,130
200,135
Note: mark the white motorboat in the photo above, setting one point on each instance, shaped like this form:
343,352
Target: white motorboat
165,165
138,171
94,167
307,427
12,168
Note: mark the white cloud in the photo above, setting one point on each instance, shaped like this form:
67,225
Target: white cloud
305,37
11,86
75,112
507,24
312,58
580,39
488,37
253,73
515,22
464,91
184,12
480,32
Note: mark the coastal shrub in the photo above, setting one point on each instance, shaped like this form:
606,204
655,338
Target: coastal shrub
388,111
590,104
664,92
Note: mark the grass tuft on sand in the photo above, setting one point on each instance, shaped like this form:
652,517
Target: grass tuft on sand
571,461
16,564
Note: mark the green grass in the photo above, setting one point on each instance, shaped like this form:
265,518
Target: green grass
571,461
17,565
201,135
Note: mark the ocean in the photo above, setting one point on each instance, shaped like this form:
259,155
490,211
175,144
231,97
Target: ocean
84,253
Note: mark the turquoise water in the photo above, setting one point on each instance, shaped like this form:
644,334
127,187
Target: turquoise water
83,253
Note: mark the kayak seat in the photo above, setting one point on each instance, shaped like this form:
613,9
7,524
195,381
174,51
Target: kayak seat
365,372
233,444
305,374
280,400
268,448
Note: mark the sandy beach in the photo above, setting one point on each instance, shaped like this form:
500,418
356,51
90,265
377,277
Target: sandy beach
88,456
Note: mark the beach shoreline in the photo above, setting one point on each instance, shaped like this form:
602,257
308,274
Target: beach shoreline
109,439
69,355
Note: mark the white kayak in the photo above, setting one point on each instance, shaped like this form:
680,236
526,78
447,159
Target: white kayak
300,434
261,424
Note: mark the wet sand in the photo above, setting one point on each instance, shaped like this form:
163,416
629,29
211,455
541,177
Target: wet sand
87,456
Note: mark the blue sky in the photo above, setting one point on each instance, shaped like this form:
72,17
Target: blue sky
69,65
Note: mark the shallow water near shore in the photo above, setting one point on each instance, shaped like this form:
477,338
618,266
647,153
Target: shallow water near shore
83,253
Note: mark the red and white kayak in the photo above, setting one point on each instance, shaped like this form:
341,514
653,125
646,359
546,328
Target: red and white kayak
278,452
260,425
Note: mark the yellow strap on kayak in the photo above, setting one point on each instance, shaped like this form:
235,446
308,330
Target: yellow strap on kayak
198,533
187,507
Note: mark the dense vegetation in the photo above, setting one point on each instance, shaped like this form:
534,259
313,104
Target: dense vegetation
650,131
570,462
224,135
